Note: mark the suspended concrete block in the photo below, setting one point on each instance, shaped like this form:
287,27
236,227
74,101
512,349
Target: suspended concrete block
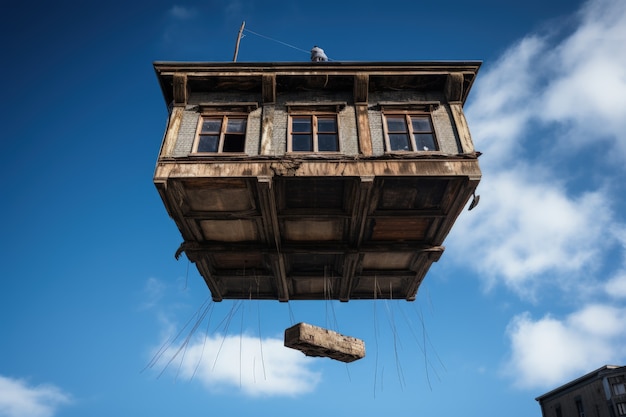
320,342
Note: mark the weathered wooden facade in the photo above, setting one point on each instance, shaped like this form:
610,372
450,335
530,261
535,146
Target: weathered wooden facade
311,180
600,393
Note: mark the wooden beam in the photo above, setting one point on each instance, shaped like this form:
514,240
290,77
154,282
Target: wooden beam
280,275
269,88
269,213
171,135
421,264
454,87
445,167
361,87
360,209
180,89
327,248
460,199
363,130
350,263
204,267
460,123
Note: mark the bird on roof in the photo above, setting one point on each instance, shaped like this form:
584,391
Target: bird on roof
318,55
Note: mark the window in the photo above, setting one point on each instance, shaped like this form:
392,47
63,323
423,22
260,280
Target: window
221,134
409,132
558,411
619,389
313,133
621,409
579,408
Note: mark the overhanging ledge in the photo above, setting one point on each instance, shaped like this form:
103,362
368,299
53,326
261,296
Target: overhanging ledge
306,168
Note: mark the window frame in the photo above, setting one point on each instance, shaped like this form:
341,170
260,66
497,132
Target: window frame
314,116
224,117
408,117
619,388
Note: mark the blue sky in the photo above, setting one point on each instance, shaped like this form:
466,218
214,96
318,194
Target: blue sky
531,291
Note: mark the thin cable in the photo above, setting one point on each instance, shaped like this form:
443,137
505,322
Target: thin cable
375,337
241,342
187,274
183,346
206,336
332,305
430,343
396,344
165,346
291,315
261,340
276,40
420,344
226,322
190,335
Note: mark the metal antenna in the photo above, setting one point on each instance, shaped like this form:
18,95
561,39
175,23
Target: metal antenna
238,40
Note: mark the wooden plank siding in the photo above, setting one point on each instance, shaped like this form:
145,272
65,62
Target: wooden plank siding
342,225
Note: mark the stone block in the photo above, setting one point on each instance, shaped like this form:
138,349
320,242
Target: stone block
320,342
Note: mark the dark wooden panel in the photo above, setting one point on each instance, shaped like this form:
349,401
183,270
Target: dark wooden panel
312,263
229,230
398,229
321,193
411,194
307,230
247,262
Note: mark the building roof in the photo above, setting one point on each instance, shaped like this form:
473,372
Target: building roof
585,379
417,74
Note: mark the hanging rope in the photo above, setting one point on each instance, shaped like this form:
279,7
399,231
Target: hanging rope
375,334
206,336
261,339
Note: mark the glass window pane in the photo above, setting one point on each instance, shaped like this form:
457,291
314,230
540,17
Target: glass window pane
211,125
396,124
425,142
236,126
301,124
327,143
302,143
326,125
399,142
208,143
234,143
421,124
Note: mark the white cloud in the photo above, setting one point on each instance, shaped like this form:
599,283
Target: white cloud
182,12
257,367
153,292
538,109
549,351
18,399
526,228
588,90
222,361
616,286
503,101
579,83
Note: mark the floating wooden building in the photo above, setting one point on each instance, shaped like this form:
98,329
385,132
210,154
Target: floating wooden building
316,180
